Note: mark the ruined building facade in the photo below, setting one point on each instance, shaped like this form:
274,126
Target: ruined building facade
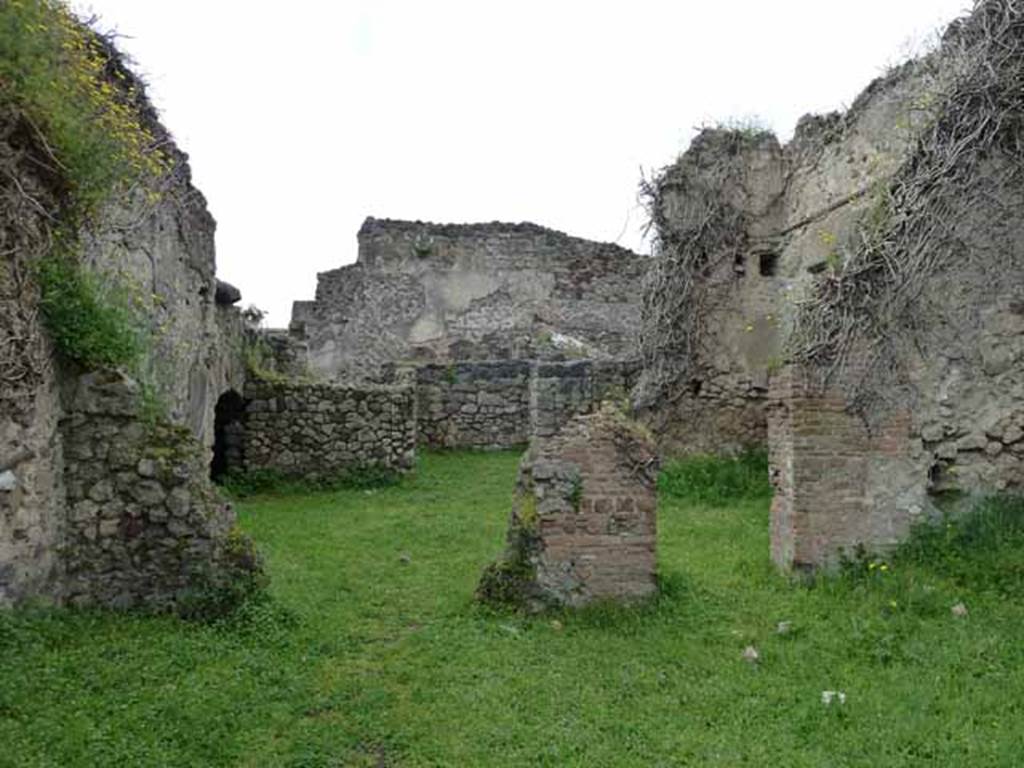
439,293
98,502
852,299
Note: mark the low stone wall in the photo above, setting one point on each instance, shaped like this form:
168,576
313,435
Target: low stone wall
559,391
499,404
322,430
474,405
144,525
583,521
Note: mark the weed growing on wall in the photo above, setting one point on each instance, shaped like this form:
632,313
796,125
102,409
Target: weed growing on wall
85,116
91,320
65,79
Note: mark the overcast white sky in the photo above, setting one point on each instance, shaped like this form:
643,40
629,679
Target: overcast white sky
303,118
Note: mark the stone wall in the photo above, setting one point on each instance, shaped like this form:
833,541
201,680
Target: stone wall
157,242
920,412
583,524
785,214
560,391
474,405
322,431
144,525
440,293
500,404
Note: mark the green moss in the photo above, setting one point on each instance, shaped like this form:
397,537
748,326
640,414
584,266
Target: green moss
526,509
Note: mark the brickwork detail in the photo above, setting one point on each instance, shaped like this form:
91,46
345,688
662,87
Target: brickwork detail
840,484
583,524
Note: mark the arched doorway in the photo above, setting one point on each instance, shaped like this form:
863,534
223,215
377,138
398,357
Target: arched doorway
228,431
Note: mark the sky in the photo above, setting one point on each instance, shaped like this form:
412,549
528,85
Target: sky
303,118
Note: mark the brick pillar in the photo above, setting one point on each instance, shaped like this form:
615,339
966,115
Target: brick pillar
583,523
839,483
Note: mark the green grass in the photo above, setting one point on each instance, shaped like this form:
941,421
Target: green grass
372,654
715,480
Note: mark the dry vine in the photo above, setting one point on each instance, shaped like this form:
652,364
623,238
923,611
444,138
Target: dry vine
699,231
26,209
866,309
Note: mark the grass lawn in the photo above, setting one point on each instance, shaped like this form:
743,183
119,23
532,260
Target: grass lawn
372,653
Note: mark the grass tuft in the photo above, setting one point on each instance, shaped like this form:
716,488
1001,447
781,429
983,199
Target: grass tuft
717,480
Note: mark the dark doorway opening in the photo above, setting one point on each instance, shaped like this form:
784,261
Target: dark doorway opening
228,431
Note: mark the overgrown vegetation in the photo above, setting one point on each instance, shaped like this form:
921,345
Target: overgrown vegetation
90,318
92,137
237,585
373,652
717,480
870,309
74,90
698,235
981,549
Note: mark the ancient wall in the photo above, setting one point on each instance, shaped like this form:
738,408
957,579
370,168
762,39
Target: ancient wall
745,226
891,329
440,293
474,405
158,243
583,524
31,487
501,404
144,525
322,431
560,391
840,483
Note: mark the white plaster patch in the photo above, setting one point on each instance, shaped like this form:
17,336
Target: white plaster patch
8,481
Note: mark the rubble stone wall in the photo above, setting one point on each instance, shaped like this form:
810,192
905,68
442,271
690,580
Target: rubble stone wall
144,525
426,293
500,404
321,430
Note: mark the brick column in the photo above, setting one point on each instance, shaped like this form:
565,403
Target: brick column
840,483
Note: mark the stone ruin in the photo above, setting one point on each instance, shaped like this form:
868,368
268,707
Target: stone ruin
852,299
423,293
98,502
583,525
